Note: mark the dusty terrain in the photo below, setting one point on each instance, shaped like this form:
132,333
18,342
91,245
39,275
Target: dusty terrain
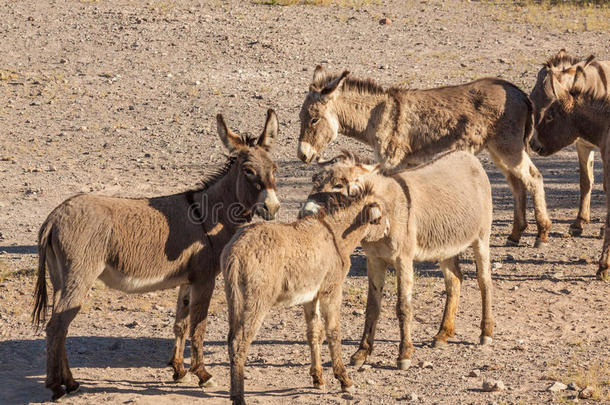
119,98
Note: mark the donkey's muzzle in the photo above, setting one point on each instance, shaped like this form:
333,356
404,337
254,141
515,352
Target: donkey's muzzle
268,205
309,208
306,152
536,146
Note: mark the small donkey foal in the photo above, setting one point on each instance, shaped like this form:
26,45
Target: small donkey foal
303,262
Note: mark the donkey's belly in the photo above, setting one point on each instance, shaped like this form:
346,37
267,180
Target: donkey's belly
130,284
424,254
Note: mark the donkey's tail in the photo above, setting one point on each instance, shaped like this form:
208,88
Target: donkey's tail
39,313
529,125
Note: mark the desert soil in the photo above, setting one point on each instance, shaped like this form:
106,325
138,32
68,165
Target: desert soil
119,98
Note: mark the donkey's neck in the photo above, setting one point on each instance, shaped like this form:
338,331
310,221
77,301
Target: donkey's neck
219,208
346,229
361,114
591,118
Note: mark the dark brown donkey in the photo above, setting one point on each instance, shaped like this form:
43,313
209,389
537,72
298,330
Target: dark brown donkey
408,127
578,107
148,244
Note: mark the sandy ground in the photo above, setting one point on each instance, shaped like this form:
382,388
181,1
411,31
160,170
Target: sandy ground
119,98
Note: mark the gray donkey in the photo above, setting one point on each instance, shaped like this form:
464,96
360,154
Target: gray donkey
303,262
407,127
434,212
147,244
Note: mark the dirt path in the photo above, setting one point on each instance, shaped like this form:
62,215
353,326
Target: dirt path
120,97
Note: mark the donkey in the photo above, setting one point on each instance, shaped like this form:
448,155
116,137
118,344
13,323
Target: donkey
434,211
303,262
579,108
148,244
407,127
563,66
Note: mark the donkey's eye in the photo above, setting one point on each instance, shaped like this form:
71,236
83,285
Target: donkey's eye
337,186
314,121
249,172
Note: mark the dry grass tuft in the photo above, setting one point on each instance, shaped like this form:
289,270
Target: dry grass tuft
553,15
595,375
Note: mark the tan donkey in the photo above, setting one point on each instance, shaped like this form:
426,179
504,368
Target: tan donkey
303,262
577,107
563,67
147,244
408,127
434,212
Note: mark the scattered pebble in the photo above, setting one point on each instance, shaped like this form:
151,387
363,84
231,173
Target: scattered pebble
364,367
425,364
557,386
370,382
411,396
474,373
497,265
493,386
385,21
573,387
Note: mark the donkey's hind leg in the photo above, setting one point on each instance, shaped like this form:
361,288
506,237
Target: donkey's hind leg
201,295
585,165
181,329
74,288
453,282
481,255
314,330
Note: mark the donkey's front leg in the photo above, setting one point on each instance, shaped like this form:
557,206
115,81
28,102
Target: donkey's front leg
375,268
604,261
314,332
453,281
331,310
404,310
201,294
181,327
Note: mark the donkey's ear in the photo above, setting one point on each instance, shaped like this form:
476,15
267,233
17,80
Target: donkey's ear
228,137
372,213
367,168
270,132
562,53
318,73
559,90
330,91
579,81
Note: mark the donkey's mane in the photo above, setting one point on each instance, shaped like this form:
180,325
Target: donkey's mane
435,158
561,60
215,174
363,86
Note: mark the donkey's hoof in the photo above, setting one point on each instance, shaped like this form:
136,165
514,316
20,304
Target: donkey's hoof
403,364
539,244
439,343
180,376
511,242
210,383
357,361
58,395
602,274
574,231
485,340
319,386
349,389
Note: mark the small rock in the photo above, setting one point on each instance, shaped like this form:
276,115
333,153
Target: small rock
474,373
357,312
497,265
425,364
147,155
385,21
493,386
573,387
370,382
586,393
557,386
62,60
411,396
170,75
197,82
83,128
132,324
364,367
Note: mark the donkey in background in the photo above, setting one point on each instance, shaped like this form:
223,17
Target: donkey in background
578,106
408,127
563,67
304,262
147,244
434,212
